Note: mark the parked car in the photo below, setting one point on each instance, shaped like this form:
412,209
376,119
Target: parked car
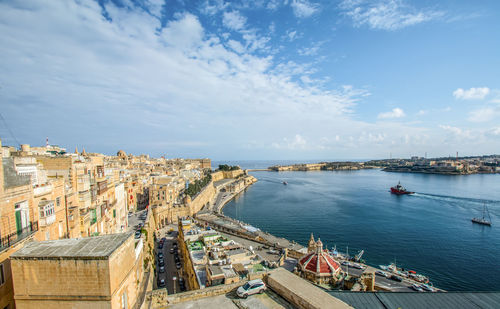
160,246
174,245
417,287
396,278
250,288
137,234
381,273
427,287
160,255
177,259
357,266
172,250
162,269
161,262
178,265
161,283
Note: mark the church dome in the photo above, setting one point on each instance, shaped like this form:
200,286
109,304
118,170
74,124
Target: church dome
121,154
320,263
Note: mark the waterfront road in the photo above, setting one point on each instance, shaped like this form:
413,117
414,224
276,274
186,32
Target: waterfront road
386,283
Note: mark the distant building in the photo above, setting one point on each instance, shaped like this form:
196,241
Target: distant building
94,272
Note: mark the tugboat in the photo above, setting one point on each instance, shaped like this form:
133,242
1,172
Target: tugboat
483,220
399,190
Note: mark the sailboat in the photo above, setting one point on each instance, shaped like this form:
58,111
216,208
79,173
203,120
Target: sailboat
483,220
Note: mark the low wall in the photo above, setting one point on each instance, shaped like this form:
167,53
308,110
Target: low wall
300,292
160,298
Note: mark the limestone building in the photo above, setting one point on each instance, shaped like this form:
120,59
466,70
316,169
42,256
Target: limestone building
94,272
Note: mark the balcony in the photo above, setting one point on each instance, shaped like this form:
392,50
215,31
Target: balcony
13,238
42,190
46,221
47,213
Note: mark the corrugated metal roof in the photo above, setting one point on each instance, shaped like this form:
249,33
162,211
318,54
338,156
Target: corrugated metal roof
452,300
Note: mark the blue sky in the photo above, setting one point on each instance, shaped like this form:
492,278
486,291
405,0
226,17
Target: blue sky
253,79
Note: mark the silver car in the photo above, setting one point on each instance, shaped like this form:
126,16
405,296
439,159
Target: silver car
250,288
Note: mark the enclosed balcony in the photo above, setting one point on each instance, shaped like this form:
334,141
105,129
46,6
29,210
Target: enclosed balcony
47,213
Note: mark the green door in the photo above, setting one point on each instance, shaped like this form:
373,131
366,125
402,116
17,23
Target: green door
19,225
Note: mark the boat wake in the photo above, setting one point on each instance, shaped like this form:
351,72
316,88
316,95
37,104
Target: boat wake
450,198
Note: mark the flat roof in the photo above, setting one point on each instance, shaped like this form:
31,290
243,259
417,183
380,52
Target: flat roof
90,248
452,300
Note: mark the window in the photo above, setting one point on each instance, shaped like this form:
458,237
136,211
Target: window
58,201
2,275
124,301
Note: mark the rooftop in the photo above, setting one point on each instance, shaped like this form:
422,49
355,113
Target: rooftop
98,247
453,300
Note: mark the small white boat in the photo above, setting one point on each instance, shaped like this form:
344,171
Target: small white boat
417,287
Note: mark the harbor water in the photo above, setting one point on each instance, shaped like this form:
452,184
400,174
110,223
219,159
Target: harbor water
430,232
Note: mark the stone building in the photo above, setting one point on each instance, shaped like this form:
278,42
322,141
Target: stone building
318,265
94,272
18,220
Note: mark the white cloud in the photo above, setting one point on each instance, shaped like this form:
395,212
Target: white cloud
422,112
296,143
292,35
236,46
184,33
386,14
395,113
484,114
273,4
304,8
234,20
471,94
308,51
211,7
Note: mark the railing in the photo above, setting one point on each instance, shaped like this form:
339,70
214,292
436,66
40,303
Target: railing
13,238
44,221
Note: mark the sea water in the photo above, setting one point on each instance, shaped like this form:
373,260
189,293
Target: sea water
430,232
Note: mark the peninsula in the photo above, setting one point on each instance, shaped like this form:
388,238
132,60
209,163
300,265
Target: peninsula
488,164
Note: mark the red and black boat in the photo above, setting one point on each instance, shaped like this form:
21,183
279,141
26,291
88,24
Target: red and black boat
399,190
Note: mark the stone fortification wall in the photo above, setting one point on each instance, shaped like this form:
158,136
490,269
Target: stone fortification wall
160,298
219,175
203,198
301,293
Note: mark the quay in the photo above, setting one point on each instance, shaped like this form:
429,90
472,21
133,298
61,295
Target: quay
295,251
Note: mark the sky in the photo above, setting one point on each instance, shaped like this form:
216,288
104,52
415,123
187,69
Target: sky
242,80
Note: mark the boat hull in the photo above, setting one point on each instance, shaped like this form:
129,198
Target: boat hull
479,221
400,192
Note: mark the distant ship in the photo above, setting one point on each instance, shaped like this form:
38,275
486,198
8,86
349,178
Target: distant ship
483,220
285,183
399,189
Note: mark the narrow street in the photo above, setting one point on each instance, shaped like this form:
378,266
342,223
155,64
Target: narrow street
170,269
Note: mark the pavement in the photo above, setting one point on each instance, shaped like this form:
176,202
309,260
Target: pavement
134,219
267,300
